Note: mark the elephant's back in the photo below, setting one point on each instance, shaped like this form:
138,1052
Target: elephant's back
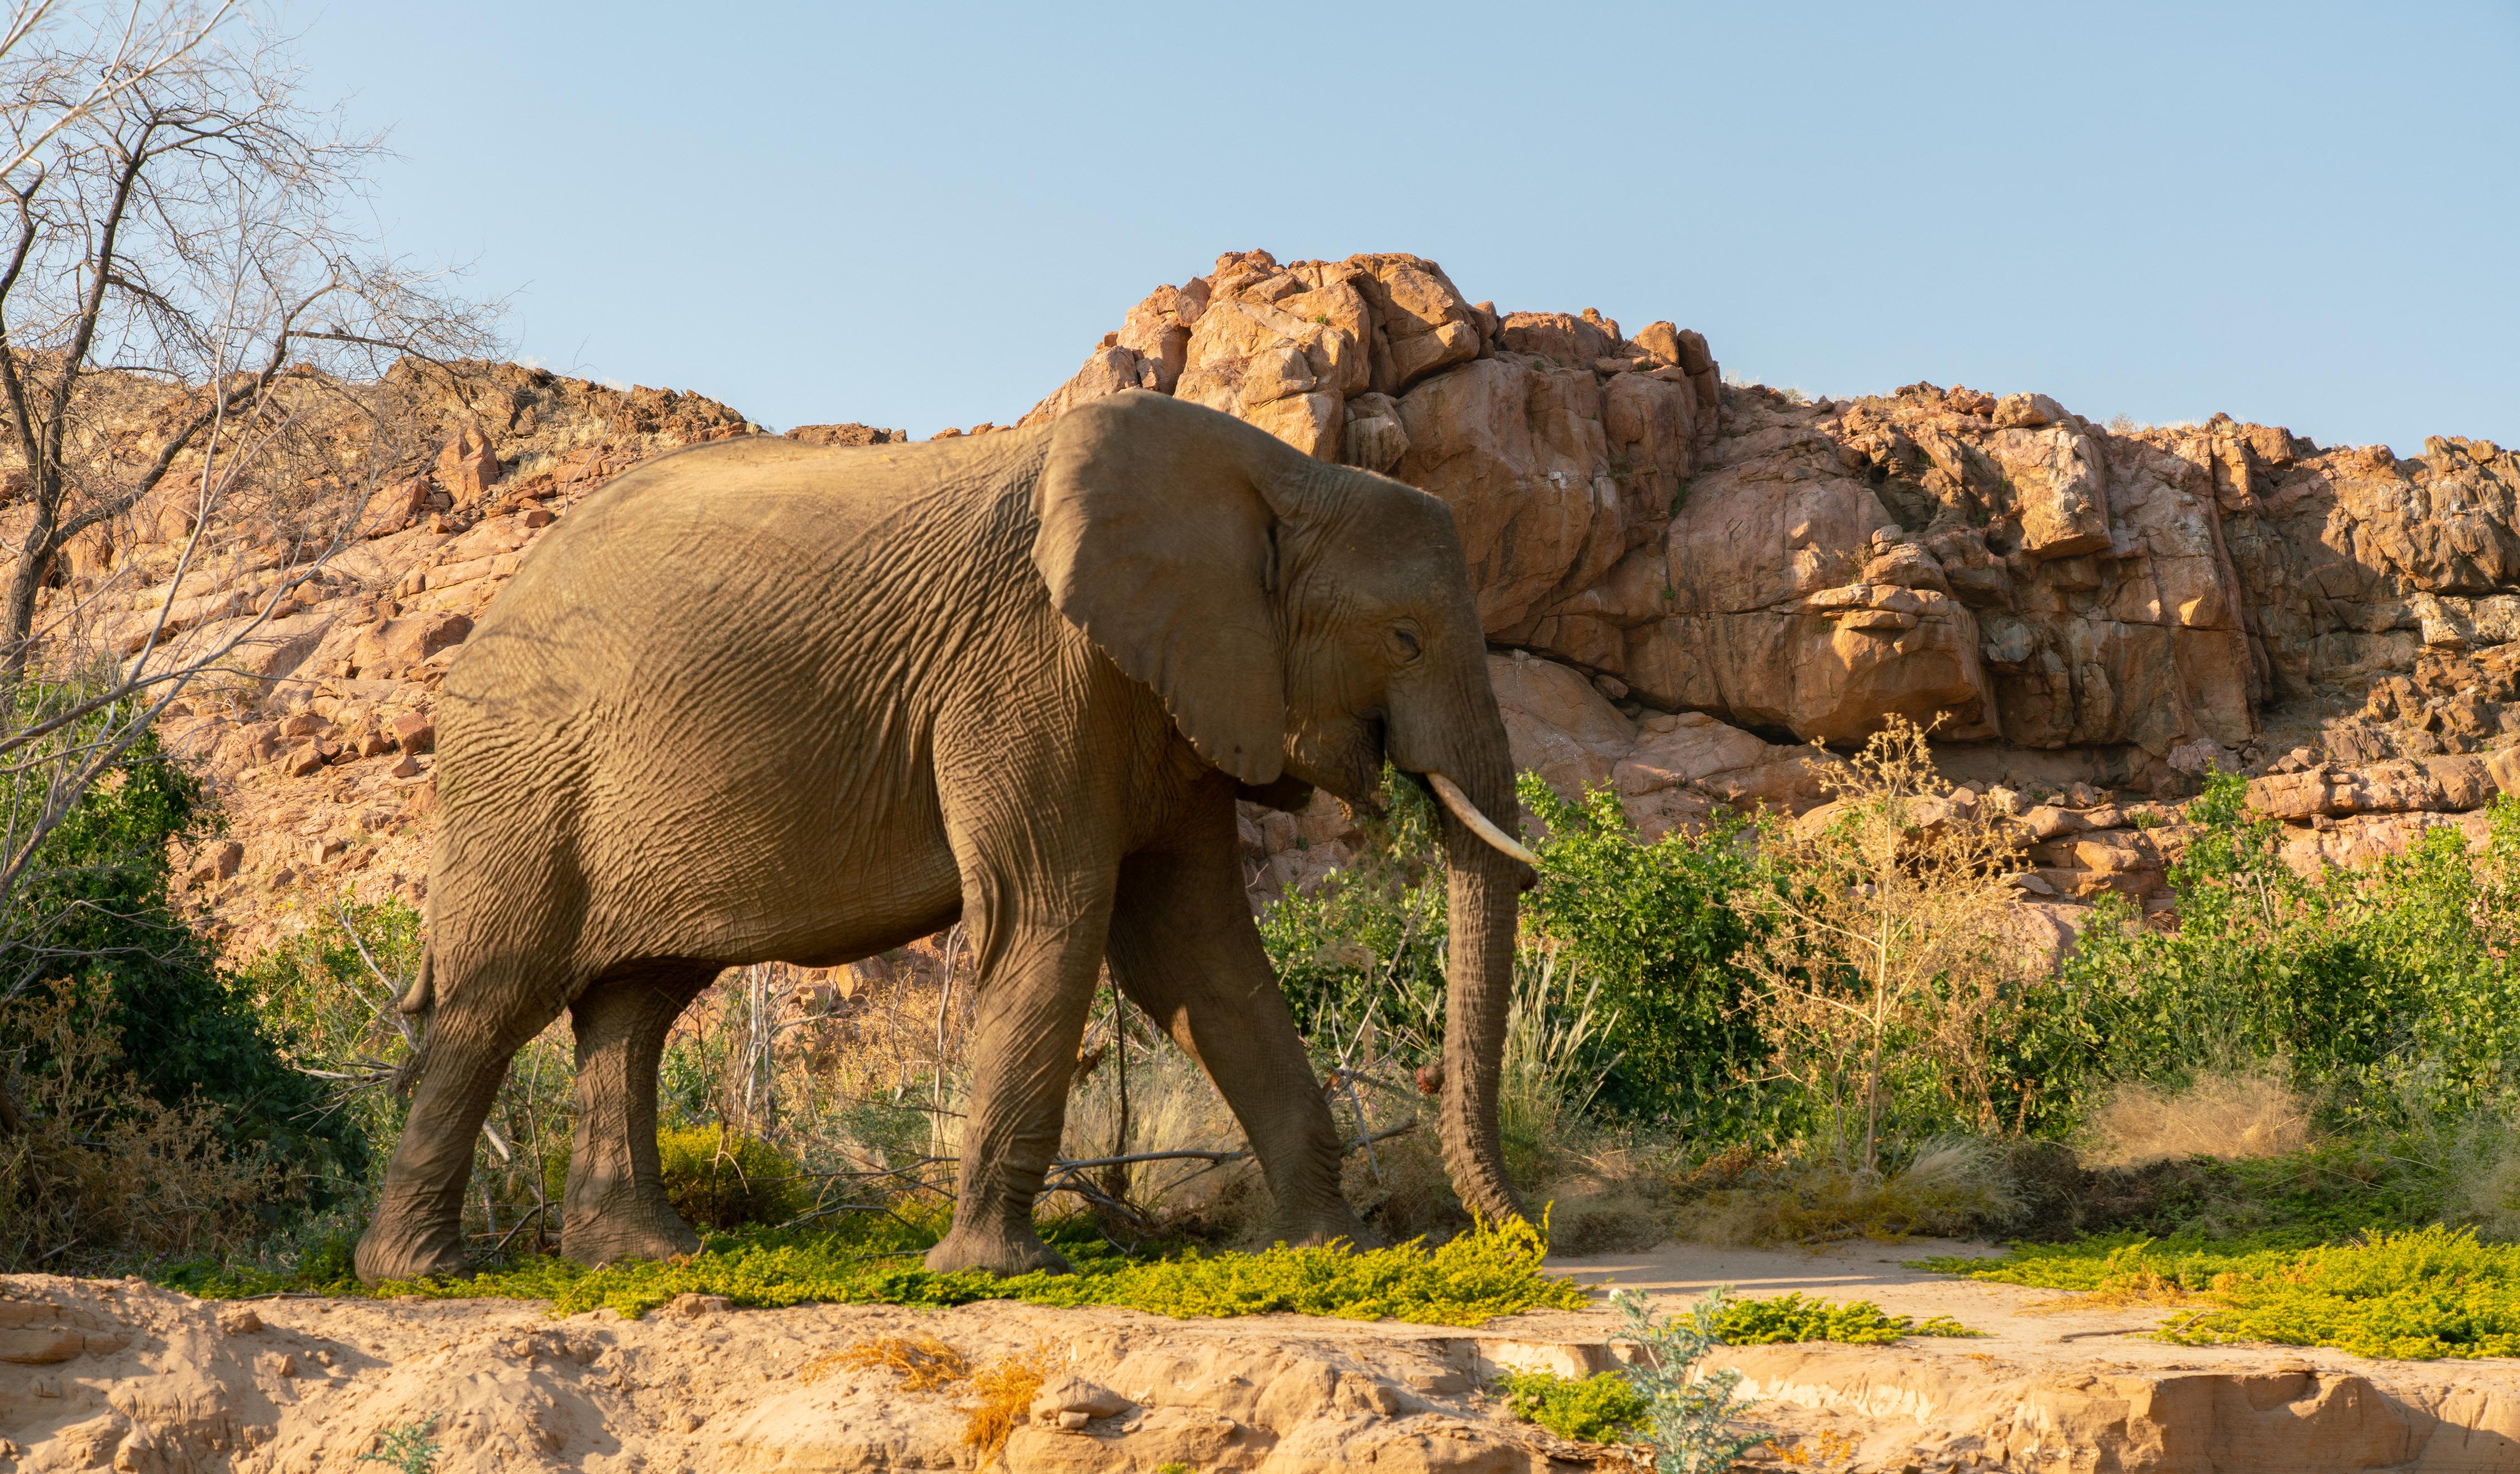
747,552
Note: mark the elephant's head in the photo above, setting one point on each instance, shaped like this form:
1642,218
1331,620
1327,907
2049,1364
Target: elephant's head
1305,620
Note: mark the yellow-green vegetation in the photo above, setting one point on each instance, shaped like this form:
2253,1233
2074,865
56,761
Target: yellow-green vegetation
1602,1408
2421,1294
1488,1272
715,1179
1782,1318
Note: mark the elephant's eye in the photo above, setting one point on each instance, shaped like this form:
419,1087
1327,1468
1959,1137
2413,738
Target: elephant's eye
1403,644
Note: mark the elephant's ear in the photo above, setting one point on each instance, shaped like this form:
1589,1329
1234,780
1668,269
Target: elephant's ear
1157,523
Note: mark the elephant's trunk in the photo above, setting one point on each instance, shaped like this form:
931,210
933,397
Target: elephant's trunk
1478,978
1465,760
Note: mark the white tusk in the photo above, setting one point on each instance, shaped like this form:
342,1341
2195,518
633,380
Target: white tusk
1480,825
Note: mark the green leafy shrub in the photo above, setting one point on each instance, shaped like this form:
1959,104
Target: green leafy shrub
1603,1408
1657,927
2389,993
1367,949
327,988
715,1180
725,1181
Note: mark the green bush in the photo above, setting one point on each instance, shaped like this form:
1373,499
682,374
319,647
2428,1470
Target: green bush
317,990
1367,950
2390,995
1784,1319
1658,925
94,904
720,1180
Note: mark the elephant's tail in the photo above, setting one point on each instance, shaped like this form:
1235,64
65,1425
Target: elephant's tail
417,1004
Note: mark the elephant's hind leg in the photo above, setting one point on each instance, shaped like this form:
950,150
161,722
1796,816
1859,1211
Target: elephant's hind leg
418,1227
616,1206
1184,949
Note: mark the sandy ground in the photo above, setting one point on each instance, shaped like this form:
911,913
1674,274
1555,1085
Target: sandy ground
121,1375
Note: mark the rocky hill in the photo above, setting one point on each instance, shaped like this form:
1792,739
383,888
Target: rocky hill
1684,582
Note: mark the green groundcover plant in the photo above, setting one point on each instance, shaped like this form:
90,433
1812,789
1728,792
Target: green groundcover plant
1606,1406
2421,1294
1790,1318
1488,1272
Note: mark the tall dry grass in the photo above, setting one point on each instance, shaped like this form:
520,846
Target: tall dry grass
2231,1116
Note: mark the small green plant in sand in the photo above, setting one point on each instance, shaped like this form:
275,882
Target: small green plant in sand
406,1448
1602,1408
2419,1295
1491,1271
1691,1422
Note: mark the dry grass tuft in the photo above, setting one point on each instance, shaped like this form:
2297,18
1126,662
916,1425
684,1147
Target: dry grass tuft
924,1363
1950,1187
1005,1390
2487,1187
2229,1116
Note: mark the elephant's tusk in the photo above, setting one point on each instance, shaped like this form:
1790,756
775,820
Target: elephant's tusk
1480,825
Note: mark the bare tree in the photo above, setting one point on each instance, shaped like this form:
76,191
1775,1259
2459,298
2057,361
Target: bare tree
193,326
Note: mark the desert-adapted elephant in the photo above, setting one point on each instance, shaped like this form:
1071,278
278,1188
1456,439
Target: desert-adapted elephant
760,700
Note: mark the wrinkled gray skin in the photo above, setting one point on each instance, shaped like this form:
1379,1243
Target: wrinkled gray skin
761,700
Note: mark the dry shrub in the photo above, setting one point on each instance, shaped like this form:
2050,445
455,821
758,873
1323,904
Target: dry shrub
1950,1187
91,1166
924,1363
1609,1217
1889,944
1169,1105
1006,1388
2230,1116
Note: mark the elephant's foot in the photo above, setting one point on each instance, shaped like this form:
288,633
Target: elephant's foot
998,1251
655,1232
399,1246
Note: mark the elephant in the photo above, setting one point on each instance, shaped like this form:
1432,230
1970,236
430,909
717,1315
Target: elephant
759,700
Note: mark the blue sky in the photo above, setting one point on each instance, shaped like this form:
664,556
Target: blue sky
923,215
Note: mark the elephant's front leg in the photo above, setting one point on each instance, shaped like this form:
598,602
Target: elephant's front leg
1038,959
1184,949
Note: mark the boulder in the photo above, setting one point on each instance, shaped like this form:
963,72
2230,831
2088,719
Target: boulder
467,467
1557,724
391,647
